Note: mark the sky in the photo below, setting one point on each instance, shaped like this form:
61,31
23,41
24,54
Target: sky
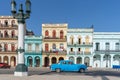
103,14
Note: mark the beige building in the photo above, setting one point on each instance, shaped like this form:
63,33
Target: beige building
8,40
54,43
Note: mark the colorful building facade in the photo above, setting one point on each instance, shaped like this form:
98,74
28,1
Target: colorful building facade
8,40
33,51
54,43
80,45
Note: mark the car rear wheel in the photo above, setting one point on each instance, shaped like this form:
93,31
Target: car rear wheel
82,70
58,70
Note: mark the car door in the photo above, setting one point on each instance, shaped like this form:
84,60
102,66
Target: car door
71,66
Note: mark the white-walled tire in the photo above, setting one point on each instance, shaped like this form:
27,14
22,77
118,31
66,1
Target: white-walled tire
58,70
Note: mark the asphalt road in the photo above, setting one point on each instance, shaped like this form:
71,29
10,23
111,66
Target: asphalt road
91,74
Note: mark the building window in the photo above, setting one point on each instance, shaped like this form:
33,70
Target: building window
61,34
54,47
46,33
37,47
6,23
6,34
0,47
13,33
79,49
97,46
5,47
61,47
12,47
87,50
12,23
71,49
117,46
107,46
29,47
71,39
46,47
87,40
79,40
54,34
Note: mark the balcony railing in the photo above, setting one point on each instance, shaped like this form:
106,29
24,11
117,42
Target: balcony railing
72,52
54,39
80,45
9,38
2,26
33,52
107,51
54,52
7,52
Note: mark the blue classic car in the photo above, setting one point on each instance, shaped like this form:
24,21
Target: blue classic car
68,65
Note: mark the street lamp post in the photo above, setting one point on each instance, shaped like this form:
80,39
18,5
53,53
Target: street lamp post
21,69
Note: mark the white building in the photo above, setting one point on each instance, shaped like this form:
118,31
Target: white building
106,47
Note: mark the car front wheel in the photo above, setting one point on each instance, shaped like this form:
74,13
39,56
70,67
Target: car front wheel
58,70
81,70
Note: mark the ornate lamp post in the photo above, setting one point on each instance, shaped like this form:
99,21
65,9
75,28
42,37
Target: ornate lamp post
21,69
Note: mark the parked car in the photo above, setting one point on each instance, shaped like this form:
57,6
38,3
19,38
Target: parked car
4,65
68,65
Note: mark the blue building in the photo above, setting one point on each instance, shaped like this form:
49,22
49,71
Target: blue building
33,51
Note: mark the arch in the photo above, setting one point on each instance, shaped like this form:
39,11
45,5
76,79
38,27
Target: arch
79,60
61,58
116,59
107,60
54,34
61,34
96,61
71,58
13,61
46,33
46,47
53,60
5,59
46,61
30,61
87,61
37,61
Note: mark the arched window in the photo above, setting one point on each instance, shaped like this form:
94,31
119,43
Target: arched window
54,34
6,23
12,23
61,34
6,34
46,47
13,33
72,40
46,33
5,47
12,47
0,47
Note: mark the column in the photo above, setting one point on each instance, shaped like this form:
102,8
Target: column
9,60
101,61
34,62
91,61
111,60
82,59
75,59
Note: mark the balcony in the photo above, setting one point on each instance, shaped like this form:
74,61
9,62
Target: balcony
7,52
2,26
9,38
80,45
71,52
79,52
33,52
107,51
54,53
56,39
87,53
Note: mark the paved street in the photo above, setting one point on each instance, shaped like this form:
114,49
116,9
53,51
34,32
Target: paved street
45,74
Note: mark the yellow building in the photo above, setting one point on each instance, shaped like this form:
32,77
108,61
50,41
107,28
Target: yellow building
8,40
54,43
